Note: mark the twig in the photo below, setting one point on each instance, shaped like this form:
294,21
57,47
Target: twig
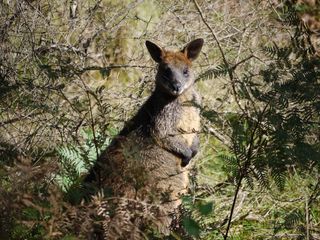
213,34
20,118
226,63
225,237
95,141
219,136
230,73
242,61
243,170
307,219
107,68
315,192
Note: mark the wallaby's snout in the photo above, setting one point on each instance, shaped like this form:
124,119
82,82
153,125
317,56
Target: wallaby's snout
174,72
177,84
176,87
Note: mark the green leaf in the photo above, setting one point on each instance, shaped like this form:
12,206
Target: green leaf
293,218
191,226
31,213
211,115
205,208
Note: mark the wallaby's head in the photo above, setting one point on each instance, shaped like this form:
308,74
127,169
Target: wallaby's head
174,71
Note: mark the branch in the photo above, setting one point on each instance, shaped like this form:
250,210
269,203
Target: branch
219,136
243,170
108,68
59,47
214,35
88,92
20,118
225,237
307,218
226,63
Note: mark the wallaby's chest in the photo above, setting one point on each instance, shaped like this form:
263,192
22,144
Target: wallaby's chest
189,119
179,117
167,117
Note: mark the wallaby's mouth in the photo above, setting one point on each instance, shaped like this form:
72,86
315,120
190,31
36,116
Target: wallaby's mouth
176,88
176,91
172,89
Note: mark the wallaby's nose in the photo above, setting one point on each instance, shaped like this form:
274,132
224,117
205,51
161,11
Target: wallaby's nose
176,86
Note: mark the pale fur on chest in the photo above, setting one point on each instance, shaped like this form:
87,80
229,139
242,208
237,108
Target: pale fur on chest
188,123
180,117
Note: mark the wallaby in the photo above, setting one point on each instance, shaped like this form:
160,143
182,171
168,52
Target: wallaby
147,161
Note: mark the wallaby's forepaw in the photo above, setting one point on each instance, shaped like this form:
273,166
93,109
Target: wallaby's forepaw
195,146
186,157
185,161
193,149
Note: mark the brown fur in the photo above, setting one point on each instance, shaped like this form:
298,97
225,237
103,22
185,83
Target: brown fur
176,58
144,164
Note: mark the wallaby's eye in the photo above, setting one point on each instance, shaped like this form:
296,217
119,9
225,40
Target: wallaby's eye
186,72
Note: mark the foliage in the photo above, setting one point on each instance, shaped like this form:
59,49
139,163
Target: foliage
77,160
274,136
68,83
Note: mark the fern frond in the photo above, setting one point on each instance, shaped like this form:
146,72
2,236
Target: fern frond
228,159
275,51
293,218
71,158
220,70
76,160
279,178
291,17
261,174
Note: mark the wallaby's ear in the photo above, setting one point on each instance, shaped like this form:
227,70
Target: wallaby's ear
193,48
155,51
